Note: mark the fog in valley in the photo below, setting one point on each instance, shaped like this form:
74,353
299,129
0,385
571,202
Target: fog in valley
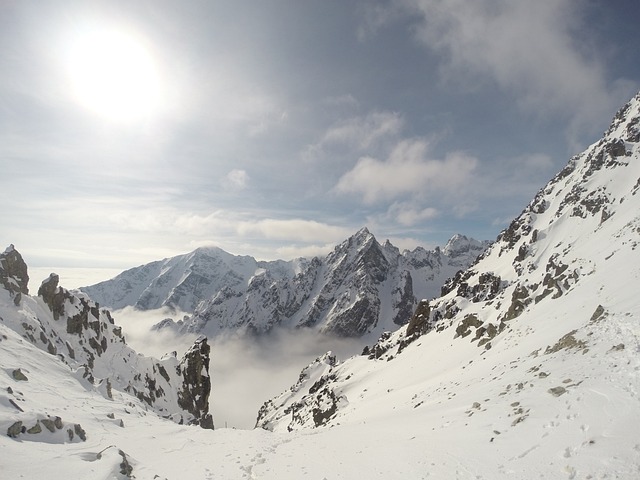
245,371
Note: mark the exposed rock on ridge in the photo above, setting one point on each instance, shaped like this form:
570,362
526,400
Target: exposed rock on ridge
13,273
78,332
360,288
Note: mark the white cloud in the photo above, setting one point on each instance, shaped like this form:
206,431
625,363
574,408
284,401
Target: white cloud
375,16
409,214
346,100
306,251
527,48
236,180
293,230
407,170
363,132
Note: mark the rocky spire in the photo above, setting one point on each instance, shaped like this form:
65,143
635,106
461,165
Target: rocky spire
196,386
13,273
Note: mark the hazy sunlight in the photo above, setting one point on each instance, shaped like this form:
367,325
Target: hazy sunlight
113,74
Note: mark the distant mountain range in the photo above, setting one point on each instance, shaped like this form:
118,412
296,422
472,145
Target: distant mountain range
361,288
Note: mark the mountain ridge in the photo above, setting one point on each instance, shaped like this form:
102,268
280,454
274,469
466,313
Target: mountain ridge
344,293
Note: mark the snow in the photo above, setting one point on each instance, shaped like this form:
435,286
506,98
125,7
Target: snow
557,394
417,422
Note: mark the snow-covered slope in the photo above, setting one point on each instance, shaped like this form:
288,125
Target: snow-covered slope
360,288
533,354
78,334
181,282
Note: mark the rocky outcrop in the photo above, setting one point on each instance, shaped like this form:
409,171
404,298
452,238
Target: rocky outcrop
53,296
196,386
73,328
311,400
13,273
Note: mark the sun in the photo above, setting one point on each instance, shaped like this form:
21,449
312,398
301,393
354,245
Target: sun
113,74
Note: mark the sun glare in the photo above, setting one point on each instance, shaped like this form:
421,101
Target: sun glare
114,75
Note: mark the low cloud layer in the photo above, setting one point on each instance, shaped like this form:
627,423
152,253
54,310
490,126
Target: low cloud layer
245,371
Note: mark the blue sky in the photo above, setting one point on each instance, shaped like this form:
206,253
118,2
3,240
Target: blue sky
279,128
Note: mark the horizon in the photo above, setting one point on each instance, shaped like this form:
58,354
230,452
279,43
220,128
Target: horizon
139,131
75,277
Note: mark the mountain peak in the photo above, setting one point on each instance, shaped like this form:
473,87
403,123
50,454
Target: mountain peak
626,123
362,235
460,244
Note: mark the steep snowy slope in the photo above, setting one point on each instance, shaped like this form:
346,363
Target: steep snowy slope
76,332
535,345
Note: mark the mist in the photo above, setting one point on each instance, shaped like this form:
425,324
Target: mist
245,370
136,325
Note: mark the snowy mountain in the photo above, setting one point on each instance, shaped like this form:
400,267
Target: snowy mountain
534,350
360,288
182,282
84,338
526,366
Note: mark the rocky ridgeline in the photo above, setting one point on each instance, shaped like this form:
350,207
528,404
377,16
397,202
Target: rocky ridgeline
361,288
70,326
585,216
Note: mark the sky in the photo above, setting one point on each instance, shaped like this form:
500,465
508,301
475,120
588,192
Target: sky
136,130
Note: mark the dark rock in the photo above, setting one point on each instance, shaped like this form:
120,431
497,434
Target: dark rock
557,391
567,342
125,467
35,429
519,301
380,347
419,322
53,296
598,315
18,375
80,432
196,386
49,424
616,148
13,272
14,430
322,415
356,320
464,327
404,299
